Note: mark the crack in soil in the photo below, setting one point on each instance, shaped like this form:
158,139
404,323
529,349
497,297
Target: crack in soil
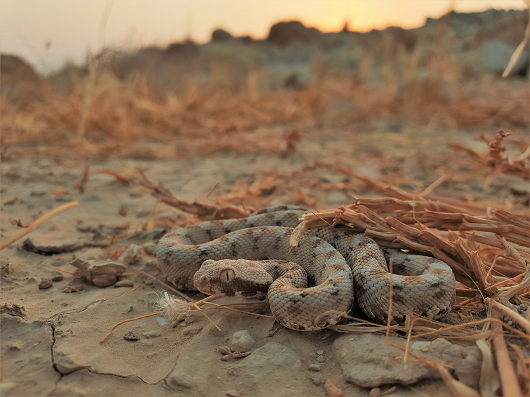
62,375
56,315
54,364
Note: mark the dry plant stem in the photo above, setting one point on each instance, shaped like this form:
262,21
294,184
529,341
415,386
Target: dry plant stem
457,388
35,224
126,321
489,378
81,185
483,321
510,385
227,306
520,48
205,315
523,322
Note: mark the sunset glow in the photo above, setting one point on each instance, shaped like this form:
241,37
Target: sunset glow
73,27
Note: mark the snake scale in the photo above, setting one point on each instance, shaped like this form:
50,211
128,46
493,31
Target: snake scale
311,286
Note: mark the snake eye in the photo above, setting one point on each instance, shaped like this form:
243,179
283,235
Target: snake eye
227,275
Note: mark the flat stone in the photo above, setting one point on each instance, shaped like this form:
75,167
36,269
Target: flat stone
368,361
271,358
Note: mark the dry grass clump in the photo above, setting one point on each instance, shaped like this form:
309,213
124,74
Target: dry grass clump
103,115
490,256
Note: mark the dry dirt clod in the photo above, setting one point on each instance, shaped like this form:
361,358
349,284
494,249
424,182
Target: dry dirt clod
57,276
131,336
242,341
72,288
45,283
102,273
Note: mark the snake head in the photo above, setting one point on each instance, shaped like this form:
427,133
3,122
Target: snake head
232,277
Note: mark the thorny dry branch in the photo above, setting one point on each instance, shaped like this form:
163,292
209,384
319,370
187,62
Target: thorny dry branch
496,160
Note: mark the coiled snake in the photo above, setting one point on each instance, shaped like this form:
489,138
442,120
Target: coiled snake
312,285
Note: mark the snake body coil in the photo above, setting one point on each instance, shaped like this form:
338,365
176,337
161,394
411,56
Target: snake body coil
312,285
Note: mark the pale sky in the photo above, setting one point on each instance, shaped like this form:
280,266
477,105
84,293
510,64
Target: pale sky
71,27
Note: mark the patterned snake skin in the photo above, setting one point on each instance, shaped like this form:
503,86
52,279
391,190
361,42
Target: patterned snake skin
312,285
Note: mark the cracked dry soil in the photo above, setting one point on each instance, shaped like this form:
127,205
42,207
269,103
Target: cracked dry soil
52,347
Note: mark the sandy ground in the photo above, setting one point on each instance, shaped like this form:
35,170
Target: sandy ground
54,347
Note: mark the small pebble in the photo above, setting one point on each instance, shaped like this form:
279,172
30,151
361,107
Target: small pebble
45,283
233,393
15,346
72,288
130,336
375,392
151,334
242,341
317,381
124,283
320,359
150,248
57,276
32,280
123,210
320,352
314,367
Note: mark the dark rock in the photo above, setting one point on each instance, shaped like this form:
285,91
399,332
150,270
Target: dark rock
287,33
131,336
220,36
185,50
